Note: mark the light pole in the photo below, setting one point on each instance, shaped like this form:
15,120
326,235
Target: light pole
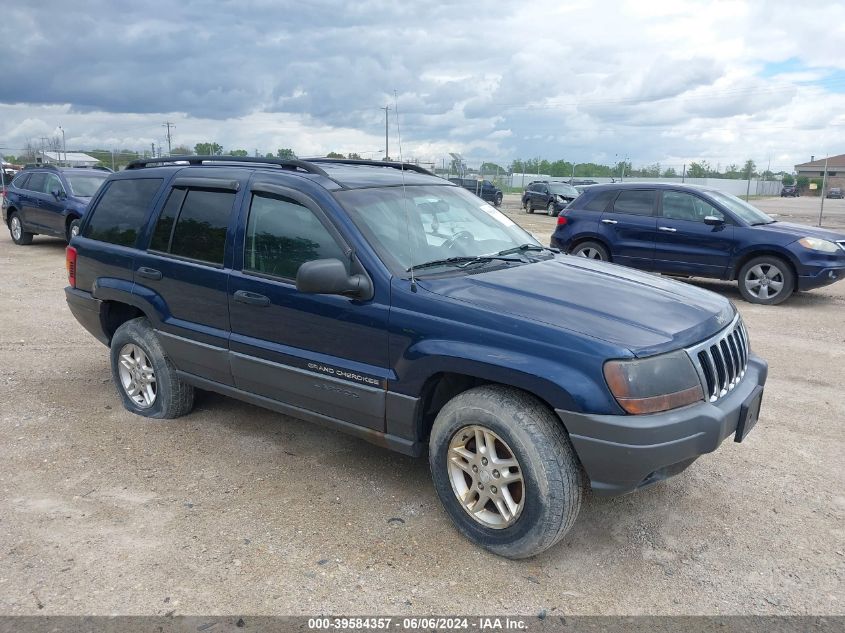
64,146
824,182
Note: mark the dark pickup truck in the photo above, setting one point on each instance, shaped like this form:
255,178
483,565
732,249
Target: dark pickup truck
382,301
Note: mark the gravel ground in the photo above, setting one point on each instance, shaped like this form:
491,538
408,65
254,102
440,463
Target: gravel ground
234,509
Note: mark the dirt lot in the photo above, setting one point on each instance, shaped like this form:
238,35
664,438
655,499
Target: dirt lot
235,509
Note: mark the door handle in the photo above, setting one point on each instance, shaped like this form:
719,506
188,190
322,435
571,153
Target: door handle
609,222
667,229
149,273
252,298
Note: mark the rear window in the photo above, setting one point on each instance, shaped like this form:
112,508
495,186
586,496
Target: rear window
122,211
636,202
600,201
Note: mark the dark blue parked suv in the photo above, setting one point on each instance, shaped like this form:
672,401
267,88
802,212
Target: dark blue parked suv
382,301
696,231
47,200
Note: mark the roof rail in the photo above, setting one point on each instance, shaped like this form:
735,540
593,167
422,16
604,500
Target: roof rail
284,163
41,166
372,163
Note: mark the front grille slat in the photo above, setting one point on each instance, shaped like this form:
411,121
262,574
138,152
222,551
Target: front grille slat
722,360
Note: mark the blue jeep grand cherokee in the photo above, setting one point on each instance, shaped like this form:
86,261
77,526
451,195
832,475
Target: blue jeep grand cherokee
49,200
385,302
696,231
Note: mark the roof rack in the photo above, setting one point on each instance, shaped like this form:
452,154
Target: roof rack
41,166
373,163
284,163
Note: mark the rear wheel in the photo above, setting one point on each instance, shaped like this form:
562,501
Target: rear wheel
505,470
766,280
19,236
591,250
145,378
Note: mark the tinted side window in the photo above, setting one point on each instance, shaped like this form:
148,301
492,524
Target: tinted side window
600,201
160,240
282,235
37,181
52,184
684,206
636,202
200,231
20,181
122,211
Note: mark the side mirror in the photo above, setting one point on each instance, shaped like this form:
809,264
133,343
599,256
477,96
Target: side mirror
712,220
329,277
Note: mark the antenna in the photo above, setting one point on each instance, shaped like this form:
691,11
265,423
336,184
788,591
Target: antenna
404,192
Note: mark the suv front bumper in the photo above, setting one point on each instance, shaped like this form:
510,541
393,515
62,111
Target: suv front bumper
622,453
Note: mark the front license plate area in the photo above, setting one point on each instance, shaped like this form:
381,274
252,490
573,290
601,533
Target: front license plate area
749,412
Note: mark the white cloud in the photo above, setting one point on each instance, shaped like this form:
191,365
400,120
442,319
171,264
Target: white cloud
669,81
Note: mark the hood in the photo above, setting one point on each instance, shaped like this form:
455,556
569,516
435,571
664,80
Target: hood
802,230
641,312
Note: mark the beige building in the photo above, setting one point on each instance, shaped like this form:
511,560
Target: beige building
815,169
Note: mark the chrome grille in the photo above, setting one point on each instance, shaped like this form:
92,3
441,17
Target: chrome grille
721,361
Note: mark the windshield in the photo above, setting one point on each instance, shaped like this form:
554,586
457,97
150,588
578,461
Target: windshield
84,185
563,190
741,209
434,222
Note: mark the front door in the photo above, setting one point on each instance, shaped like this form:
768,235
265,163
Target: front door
685,244
629,226
325,354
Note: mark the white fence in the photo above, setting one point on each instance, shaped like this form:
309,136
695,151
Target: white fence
726,185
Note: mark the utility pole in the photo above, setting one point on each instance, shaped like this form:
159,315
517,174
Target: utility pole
112,160
824,182
386,143
684,173
44,141
168,124
153,149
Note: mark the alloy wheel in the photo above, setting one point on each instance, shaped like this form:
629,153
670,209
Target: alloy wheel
17,230
589,253
486,477
137,376
764,281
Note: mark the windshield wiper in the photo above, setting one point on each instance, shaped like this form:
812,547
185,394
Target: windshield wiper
526,247
460,262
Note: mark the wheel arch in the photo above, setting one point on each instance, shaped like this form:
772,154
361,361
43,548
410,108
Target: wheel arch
591,238
768,251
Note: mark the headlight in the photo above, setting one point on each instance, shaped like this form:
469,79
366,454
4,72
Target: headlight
817,244
654,384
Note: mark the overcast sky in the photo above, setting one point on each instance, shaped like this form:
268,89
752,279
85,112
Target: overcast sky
655,81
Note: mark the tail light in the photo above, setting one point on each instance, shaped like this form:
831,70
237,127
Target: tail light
70,264
561,220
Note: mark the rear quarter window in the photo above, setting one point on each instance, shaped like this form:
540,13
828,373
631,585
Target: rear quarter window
599,201
122,210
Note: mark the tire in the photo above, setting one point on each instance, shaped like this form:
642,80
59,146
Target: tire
73,229
550,210
135,344
591,250
19,236
547,496
529,207
498,201
760,275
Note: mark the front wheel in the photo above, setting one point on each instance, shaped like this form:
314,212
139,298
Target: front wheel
145,378
505,471
529,208
591,250
73,229
498,200
550,210
766,280
19,236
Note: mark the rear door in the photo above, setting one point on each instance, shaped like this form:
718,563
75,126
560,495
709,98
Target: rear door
325,354
684,243
185,270
629,226
30,201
